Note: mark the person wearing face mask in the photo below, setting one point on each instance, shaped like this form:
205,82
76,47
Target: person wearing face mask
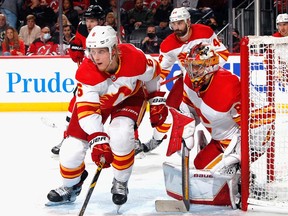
151,43
236,41
44,45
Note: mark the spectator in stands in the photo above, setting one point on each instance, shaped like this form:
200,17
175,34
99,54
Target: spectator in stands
281,25
113,8
44,45
151,43
56,28
152,5
3,27
71,13
139,17
68,36
30,31
12,44
281,5
219,8
236,41
54,4
45,15
161,19
10,10
212,22
81,6
111,20
128,4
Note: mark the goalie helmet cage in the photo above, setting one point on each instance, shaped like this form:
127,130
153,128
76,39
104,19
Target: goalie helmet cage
264,123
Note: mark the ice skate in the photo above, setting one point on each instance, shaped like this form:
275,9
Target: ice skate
119,192
63,195
139,154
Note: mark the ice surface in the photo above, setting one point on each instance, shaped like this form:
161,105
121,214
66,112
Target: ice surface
28,173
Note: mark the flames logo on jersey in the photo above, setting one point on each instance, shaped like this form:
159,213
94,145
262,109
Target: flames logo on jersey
109,100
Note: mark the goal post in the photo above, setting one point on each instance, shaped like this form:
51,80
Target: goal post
264,123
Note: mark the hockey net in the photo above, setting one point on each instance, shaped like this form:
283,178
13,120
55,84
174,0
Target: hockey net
264,123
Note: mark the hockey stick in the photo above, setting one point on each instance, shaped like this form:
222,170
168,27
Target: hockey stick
185,175
92,186
171,79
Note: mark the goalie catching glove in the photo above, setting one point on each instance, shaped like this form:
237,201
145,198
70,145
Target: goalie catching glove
99,144
158,108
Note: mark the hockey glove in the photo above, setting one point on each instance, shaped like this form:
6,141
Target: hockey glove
76,53
158,108
99,144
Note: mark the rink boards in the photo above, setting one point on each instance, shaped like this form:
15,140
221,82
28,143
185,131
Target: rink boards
46,83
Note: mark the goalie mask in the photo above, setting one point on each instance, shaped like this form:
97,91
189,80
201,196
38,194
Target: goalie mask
200,64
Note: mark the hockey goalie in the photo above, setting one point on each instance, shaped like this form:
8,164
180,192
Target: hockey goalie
212,97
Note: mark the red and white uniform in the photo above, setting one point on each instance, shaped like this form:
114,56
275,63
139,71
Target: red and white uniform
173,50
218,109
101,95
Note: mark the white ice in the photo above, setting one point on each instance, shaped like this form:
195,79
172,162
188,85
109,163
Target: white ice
28,173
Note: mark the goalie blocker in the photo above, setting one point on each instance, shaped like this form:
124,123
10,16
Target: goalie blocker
204,188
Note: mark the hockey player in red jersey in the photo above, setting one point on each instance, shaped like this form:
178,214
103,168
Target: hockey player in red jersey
281,25
212,94
173,49
93,16
114,80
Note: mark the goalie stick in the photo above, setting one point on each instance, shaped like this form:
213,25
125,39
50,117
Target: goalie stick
185,175
92,186
179,121
176,205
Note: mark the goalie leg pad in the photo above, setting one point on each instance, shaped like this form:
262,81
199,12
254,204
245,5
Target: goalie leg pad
204,188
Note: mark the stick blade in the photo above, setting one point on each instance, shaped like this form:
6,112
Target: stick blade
170,206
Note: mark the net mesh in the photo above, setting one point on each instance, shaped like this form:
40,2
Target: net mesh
268,121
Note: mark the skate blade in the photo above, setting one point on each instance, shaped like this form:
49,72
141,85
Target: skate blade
140,155
118,209
54,156
49,203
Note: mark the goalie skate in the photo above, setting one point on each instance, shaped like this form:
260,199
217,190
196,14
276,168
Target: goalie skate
64,195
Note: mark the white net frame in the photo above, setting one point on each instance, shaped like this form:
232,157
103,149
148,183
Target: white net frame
268,139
